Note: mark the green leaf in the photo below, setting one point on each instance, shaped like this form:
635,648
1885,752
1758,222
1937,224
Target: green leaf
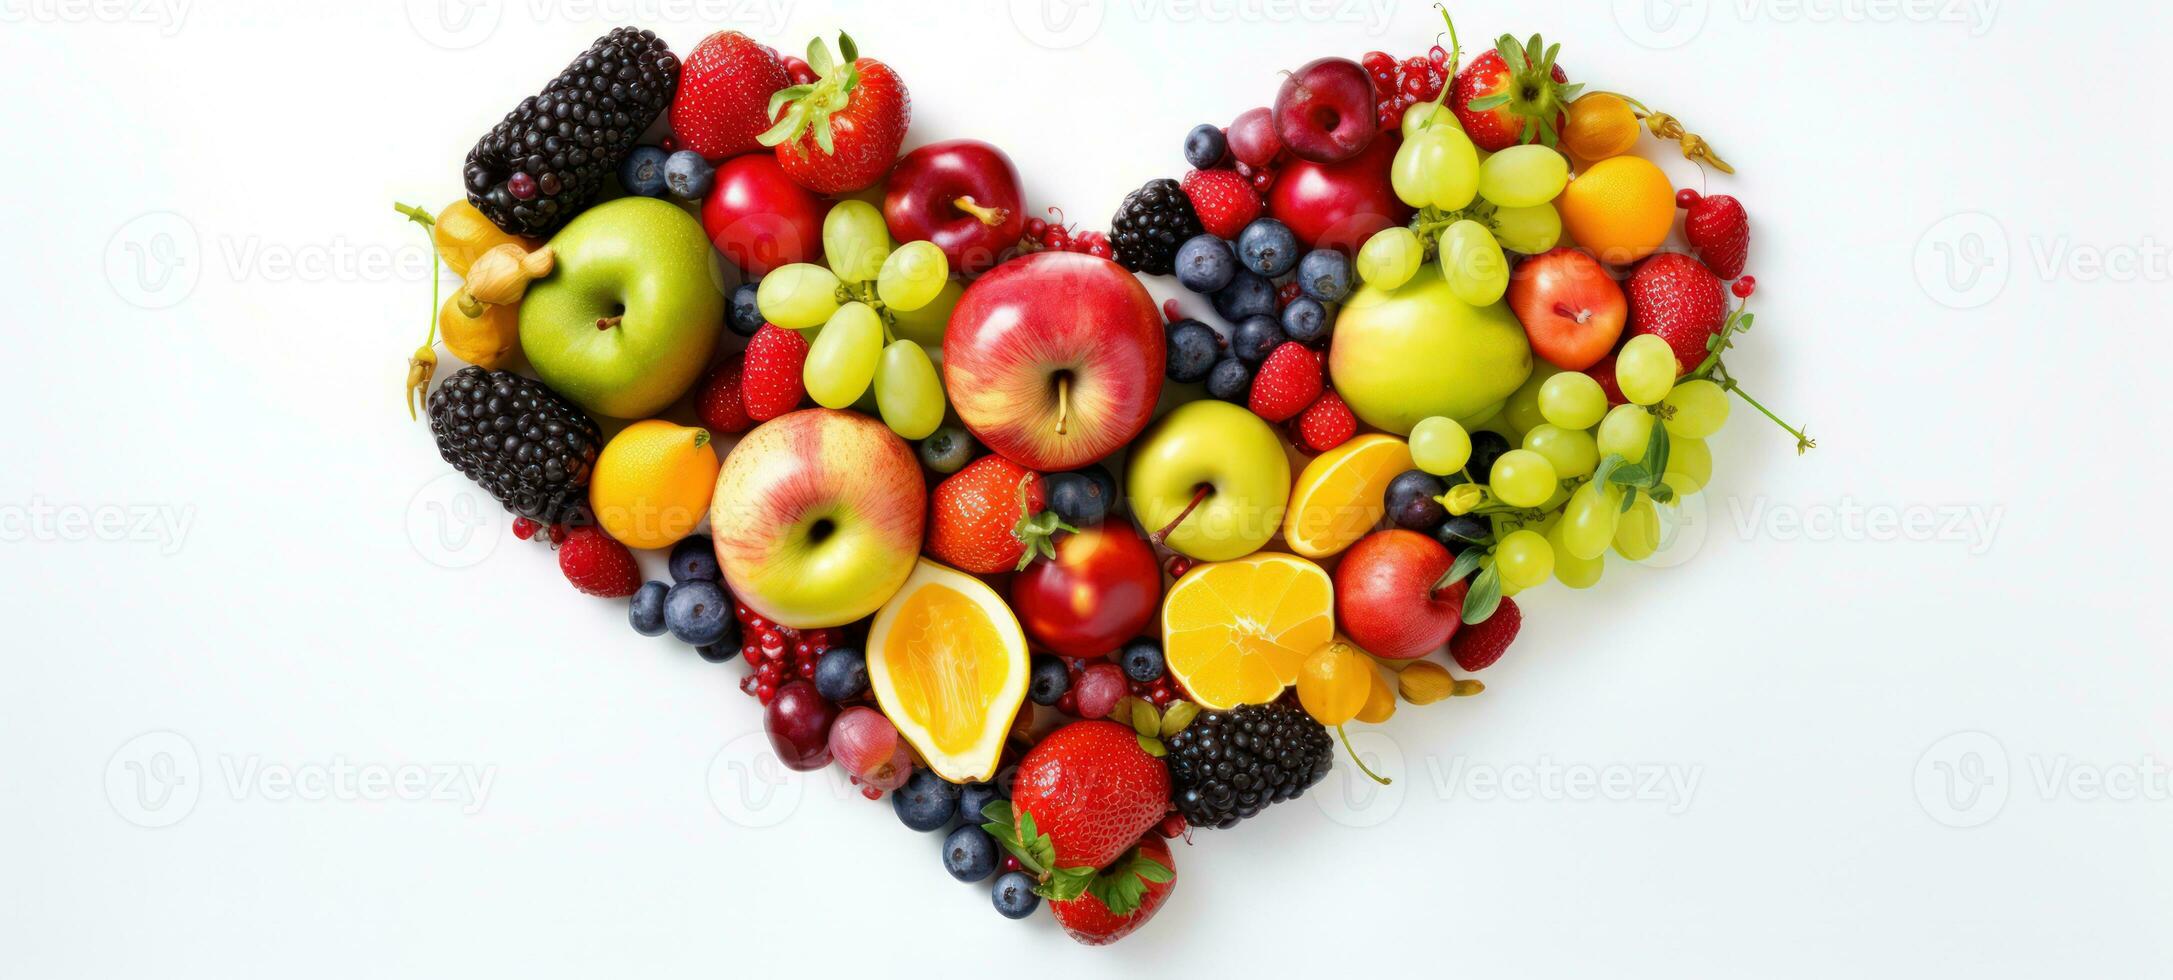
997,811
1510,53
1152,870
1629,499
1656,450
1152,746
847,48
1124,885
786,128
1144,719
1629,475
1467,561
1487,102
1661,493
818,57
1178,716
1607,468
1485,594
784,95
1568,93
1065,884
822,134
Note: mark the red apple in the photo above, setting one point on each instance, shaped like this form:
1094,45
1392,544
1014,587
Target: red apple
1572,310
1101,589
759,218
1339,205
1325,112
962,195
1385,599
1054,359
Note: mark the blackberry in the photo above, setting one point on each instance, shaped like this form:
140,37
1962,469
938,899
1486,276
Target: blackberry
548,158
530,448
1150,225
1229,765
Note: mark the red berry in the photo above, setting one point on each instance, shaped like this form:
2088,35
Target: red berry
1171,312
1264,181
1744,287
1438,55
1285,293
557,534
1376,61
1476,646
598,565
1685,198
524,528
1177,566
1035,228
522,186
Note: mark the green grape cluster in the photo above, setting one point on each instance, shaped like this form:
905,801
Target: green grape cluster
1471,207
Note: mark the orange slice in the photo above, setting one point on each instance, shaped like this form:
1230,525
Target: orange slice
1337,499
1234,632
948,664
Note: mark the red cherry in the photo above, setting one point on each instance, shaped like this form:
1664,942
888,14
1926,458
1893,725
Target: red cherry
1686,197
1438,55
1744,287
523,528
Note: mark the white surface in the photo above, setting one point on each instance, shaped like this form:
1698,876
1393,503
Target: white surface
302,611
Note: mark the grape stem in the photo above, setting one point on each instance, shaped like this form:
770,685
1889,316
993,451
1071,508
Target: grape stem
1714,370
1804,443
1360,763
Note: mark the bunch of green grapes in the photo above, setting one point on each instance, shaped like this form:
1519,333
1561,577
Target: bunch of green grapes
1471,206
874,303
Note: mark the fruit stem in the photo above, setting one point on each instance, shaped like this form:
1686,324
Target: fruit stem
606,323
1063,401
1198,496
1356,761
1456,56
424,362
987,216
1804,443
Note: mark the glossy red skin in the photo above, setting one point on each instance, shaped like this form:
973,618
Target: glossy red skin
1384,595
1093,790
1324,110
1030,319
1679,300
723,100
1497,128
759,218
1572,310
798,723
918,203
1252,138
1340,205
864,136
1090,922
1101,589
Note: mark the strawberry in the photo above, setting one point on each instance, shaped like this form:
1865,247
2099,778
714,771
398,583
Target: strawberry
1477,645
1083,797
1719,232
1287,382
1604,373
1225,201
1137,885
770,382
989,517
719,402
1325,424
1512,95
1675,298
841,132
598,565
724,93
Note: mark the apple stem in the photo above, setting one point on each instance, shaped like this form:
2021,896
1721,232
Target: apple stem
987,216
1063,402
606,323
1198,496
1360,763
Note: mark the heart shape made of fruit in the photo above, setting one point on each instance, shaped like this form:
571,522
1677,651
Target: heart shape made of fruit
1444,348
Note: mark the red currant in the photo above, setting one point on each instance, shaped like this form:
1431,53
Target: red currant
1744,287
1686,197
523,528
1438,55
1035,228
1375,61
1263,181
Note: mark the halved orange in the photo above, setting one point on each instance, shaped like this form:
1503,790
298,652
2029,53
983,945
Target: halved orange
1337,499
1234,632
948,664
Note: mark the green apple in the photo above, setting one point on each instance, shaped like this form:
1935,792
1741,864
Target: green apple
1225,465
1414,352
628,319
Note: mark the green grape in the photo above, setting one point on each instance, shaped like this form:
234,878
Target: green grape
925,326
1570,570
1522,409
1523,478
1524,558
1572,400
913,276
1529,230
798,296
1588,521
1695,409
1436,168
1473,263
907,390
854,240
1390,258
1637,534
1440,446
1572,451
841,362
1689,466
1624,432
1417,116
1645,369
1523,175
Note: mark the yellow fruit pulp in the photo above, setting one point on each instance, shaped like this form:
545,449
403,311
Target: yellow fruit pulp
1338,497
948,664
1235,632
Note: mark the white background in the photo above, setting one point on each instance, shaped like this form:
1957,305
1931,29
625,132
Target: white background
220,524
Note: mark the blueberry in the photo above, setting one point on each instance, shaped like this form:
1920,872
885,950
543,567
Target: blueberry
1325,275
1267,247
1141,660
841,674
688,175
1014,895
1205,264
973,798
645,611
1230,381
1486,447
1101,478
1462,530
1306,320
694,558
1193,349
1411,502
743,316
720,651
947,450
1246,295
1255,338
969,854
926,801
642,174
698,612
1077,499
1205,146
1047,680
